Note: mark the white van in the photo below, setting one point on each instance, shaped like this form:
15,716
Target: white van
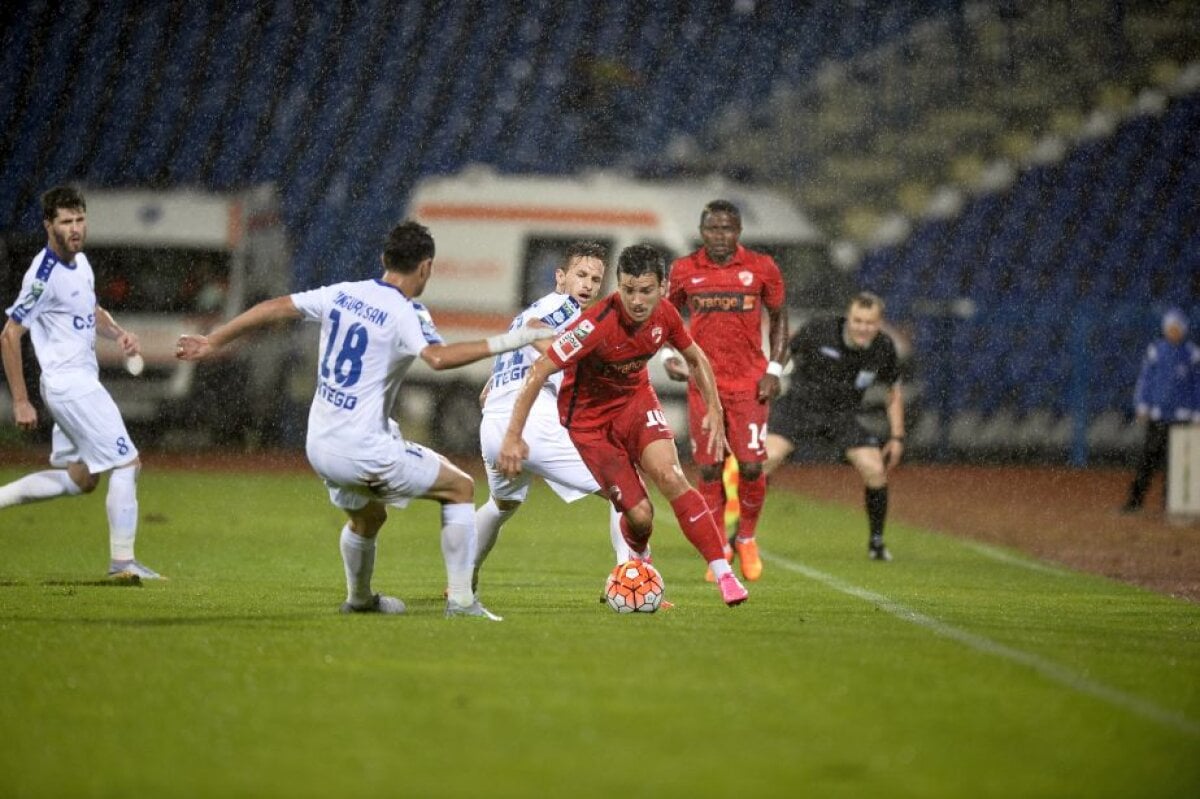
176,261
499,239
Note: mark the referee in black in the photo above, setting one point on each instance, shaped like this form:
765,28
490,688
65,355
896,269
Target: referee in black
835,360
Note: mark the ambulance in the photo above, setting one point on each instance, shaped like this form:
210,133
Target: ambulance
182,261
500,238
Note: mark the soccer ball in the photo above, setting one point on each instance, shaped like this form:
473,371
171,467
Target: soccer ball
634,587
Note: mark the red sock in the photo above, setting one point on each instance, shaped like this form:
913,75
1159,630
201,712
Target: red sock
698,525
751,493
713,492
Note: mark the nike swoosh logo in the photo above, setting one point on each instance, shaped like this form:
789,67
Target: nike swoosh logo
697,517
697,280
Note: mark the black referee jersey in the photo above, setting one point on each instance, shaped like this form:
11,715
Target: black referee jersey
830,377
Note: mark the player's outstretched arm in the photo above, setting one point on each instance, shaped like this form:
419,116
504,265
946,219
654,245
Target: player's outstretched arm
197,348
461,353
714,414
514,450
24,414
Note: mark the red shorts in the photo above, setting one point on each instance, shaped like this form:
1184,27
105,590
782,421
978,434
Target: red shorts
745,427
612,451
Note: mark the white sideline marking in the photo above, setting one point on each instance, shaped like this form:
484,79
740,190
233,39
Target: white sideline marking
1048,669
997,554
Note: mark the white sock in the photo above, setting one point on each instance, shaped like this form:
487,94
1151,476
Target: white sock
458,550
358,556
720,567
488,521
620,547
122,507
38,486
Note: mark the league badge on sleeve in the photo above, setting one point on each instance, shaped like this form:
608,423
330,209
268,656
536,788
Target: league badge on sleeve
428,329
570,343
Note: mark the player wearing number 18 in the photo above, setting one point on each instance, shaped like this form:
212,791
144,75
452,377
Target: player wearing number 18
371,332
614,417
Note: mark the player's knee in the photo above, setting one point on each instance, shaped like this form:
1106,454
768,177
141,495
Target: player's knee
86,481
368,520
507,505
710,473
875,479
778,451
640,520
750,471
462,489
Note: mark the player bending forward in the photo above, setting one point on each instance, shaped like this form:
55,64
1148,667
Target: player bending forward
836,361
614,417
372,330
552,456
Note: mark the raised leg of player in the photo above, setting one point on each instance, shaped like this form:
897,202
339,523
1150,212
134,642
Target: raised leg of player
779,449
489,518
660,462
39,486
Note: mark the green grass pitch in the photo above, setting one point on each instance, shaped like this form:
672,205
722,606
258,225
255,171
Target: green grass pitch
953,671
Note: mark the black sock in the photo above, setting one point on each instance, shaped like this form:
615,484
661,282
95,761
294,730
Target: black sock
876,501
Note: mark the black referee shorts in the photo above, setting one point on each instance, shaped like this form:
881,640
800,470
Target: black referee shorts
837,431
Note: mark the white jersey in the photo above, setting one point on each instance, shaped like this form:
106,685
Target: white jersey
57,304
370,334
510,368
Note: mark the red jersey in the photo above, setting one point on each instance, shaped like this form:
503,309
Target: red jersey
725,305
608,353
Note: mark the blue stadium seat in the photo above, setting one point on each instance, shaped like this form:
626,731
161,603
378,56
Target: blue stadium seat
148,28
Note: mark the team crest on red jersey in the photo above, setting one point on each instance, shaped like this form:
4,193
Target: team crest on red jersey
656,333
746,277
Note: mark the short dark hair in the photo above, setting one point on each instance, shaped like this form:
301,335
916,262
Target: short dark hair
407,245
586,249
721,207
61,197
867,299
642,259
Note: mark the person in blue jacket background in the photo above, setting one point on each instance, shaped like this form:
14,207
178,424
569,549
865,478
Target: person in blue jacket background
1167,393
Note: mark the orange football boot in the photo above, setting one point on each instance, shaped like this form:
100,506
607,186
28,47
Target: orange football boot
751,563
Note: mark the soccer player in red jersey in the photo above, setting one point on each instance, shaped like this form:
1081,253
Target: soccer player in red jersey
725,288
614,417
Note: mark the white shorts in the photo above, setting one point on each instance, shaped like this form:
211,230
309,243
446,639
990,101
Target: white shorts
552,456
395,477
88,427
